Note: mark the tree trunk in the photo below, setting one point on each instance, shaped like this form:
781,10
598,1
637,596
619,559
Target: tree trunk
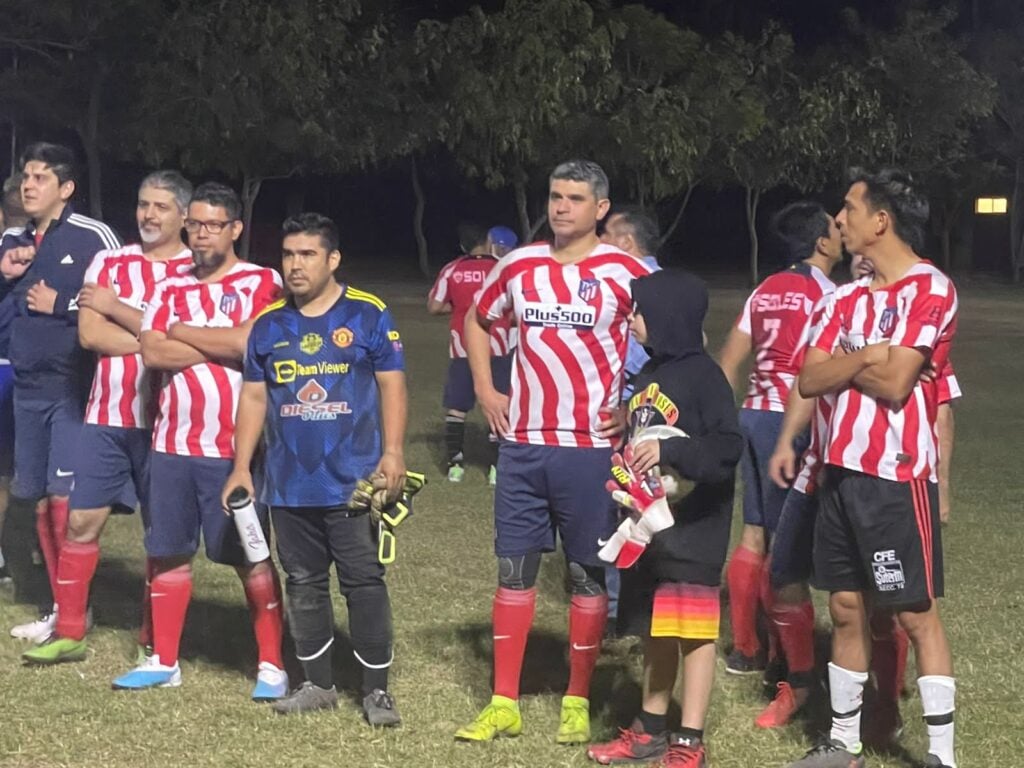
752,200
678,217
947,251
526,229
417,218
88,132
250,191
1017,222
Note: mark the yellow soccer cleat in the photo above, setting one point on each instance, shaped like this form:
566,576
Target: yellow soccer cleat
499,718
575,724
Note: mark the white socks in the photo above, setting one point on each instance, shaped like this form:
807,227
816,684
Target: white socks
847,696
938,697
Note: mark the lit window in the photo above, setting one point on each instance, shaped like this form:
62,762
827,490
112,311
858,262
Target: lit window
990,205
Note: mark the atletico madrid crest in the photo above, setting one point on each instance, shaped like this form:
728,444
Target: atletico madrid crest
589,287
228,302
887,322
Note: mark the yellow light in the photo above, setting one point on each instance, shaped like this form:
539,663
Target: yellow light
990,205
999,205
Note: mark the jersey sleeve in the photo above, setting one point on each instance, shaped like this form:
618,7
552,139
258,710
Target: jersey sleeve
744,322
386,351
96,269
493,301
826,335
158,314
441,291
948,386
928,315
811,327
268,291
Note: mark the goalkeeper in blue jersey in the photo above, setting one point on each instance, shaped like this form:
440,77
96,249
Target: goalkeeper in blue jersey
324,374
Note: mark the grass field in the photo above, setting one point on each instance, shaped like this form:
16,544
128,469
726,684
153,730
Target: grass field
441,587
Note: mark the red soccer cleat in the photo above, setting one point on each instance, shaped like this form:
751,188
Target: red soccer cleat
781,709
632,746
684,753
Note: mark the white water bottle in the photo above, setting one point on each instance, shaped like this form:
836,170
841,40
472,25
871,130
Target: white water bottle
250,532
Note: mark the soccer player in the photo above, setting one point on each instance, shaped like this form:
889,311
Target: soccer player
324,376
570,301
671,596
114,445
195,331
454,292
47,260
877,539
774,324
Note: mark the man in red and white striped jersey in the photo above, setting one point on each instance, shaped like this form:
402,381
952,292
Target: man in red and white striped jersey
877,538
455,292
570,301
195,332
775,325
114,444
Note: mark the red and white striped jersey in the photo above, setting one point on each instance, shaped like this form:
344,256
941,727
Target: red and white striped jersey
895,441
458,284
197,404
123,394
778,317
573,331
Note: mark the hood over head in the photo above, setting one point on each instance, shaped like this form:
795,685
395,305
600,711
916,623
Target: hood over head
673,303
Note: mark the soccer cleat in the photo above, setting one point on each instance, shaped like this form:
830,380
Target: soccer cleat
574,726
632,746
456,473
684,752
56,650
738,663
37,631
781,709
379,709
150,674
307,698
830,754
271,683
932,761
499,718
492,476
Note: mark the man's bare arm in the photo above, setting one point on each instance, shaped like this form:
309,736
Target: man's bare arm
895,377
823,373
166,354
946,429
100,335
733,355
215,343
435,307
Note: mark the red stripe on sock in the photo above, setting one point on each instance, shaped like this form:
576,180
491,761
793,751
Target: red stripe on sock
75,569
743,576
795,627
263,593
47,544
587,617
512,617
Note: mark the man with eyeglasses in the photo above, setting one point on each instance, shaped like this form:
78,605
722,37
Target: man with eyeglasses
195,331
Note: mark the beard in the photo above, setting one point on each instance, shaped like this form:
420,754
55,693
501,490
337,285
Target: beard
150,236
209,260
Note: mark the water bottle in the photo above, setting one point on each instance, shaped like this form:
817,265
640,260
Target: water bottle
250,532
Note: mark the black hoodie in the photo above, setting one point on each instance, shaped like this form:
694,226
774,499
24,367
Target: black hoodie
683,387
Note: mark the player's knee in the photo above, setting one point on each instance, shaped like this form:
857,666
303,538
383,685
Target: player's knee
519,572
791,594
919,619
85,525
847,609
753,538
586,579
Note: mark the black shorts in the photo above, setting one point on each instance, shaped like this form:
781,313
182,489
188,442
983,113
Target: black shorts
879,536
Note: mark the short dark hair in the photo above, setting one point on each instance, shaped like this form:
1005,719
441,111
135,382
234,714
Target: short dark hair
313,224
584,170
219,196
645,227
798,227
895,192
472,234
59,159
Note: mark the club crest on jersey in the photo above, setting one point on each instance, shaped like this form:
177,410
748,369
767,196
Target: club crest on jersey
589,286
342,337
311,343
228,302
887,322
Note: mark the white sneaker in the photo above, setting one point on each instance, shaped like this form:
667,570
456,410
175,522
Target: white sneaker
37,631
271,683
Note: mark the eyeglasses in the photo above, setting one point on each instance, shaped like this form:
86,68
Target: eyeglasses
214,226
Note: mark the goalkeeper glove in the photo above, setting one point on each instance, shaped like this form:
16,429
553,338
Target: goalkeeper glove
371,494
644,496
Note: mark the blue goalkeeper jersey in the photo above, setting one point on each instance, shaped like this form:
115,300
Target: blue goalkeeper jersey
323,409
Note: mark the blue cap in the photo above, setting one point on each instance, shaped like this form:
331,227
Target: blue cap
503,236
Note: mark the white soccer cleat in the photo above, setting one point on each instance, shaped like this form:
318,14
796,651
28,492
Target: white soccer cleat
37,631
271,683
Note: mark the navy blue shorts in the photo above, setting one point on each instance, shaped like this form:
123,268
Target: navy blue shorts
762,498
458,387
184,501
543,490
113,467
793,543
45,452
6,420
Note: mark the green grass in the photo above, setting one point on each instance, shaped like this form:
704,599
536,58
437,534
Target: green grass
442,586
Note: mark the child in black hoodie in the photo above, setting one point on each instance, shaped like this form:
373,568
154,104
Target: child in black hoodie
671,596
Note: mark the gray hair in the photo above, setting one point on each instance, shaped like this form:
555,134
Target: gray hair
174,183
586,171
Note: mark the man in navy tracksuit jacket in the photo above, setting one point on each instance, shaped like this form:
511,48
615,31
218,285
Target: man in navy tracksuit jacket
42,266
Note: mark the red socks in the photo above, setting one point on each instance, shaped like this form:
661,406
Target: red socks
146,626
795,626
263,593
171,592
512,617
587,617
75,569
743,576
47,544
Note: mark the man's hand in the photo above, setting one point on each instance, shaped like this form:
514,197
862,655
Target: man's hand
392,467
16,260
495,409
239,477
782,465
612,424
41,298
98,298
